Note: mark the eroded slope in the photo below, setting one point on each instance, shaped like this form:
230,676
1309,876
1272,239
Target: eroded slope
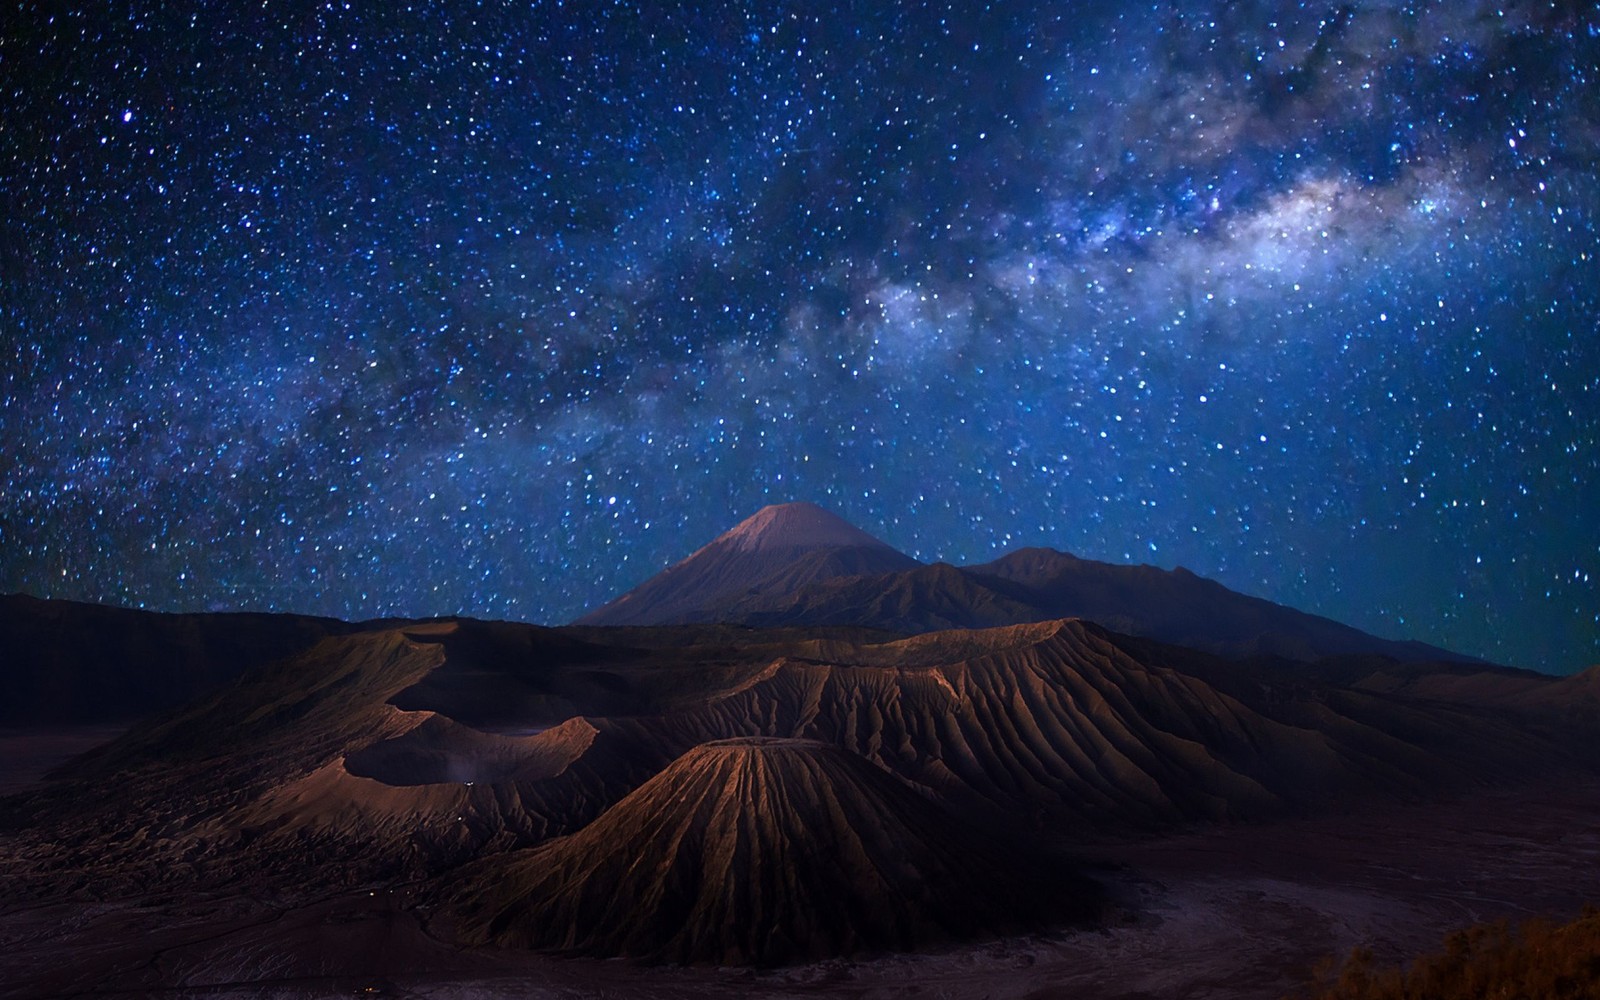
765,851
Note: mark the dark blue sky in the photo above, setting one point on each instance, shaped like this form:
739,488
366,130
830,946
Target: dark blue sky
364,310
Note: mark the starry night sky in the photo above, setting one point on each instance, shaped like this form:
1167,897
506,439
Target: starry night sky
366,310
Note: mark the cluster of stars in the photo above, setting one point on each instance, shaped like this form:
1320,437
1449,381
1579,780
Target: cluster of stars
498,310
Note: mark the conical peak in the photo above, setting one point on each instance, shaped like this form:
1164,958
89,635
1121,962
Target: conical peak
754,773
765,851
755,744
796,526
778,549
749,748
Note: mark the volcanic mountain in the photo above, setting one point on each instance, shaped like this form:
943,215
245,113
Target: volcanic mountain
390,753
798,566
778,550
552,782
765,851
1173,606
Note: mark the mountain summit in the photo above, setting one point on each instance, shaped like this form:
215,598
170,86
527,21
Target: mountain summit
797,565
777,550
793,526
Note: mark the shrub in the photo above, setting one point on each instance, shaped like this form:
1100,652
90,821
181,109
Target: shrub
1539,960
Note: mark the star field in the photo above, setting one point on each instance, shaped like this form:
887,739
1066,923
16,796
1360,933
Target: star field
490,309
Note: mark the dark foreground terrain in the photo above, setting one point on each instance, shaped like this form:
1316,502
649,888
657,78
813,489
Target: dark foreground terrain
1238,912
457,808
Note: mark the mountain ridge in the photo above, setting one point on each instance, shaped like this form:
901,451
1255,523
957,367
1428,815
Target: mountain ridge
422,751
765,573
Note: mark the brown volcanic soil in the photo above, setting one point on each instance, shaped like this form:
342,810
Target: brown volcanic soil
1066,726
375,756
1225,913
1059,726
28,754
381,758
765,851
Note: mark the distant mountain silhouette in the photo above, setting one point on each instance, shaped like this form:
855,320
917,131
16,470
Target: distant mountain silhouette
778,550
67,662
799,566
526,777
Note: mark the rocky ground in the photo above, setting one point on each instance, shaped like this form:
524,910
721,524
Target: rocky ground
1238,912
